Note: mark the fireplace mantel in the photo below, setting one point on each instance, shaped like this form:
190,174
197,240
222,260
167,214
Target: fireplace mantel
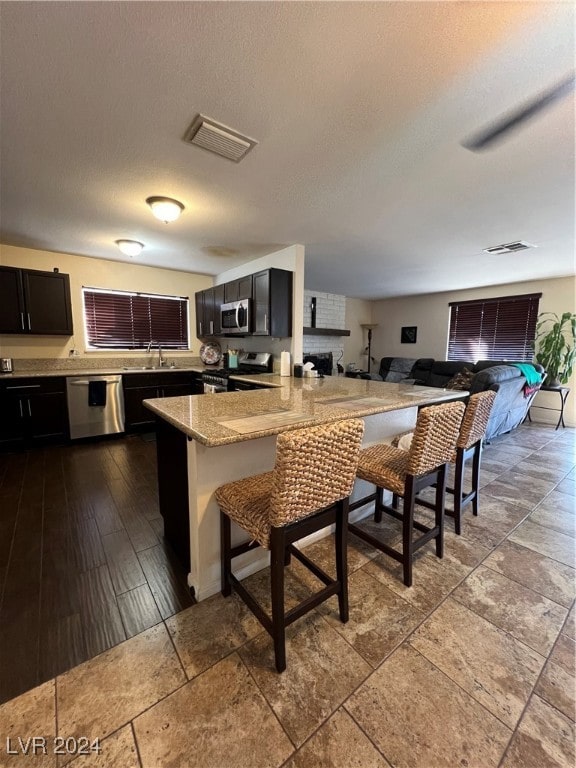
326,332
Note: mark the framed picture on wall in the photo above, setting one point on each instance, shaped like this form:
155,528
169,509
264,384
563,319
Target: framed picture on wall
408,334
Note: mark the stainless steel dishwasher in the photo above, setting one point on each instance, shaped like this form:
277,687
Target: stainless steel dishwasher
95,405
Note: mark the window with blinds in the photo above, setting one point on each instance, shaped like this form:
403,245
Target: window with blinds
494,329
124,320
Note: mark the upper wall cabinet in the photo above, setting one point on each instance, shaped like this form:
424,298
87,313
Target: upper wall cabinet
35,302
208,303
238,289
272,305
271,294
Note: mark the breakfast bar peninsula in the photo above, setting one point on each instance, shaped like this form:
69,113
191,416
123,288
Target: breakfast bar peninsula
204,441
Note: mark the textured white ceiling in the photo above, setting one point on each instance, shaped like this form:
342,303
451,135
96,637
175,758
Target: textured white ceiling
359,109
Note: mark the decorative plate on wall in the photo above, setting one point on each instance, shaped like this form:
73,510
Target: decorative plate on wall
211,353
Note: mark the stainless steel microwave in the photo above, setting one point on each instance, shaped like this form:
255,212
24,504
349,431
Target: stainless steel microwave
235,317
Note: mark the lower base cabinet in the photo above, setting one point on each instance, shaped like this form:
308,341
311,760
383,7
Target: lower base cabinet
33,411
139,387
136,415
172,457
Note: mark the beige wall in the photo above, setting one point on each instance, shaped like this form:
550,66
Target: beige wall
94,273
430,313
358,311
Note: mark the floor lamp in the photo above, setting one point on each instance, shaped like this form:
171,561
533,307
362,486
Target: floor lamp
369,327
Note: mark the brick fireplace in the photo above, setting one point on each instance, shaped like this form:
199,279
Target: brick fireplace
330,313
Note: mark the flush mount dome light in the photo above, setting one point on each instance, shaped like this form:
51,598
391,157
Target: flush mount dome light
165,209
129,247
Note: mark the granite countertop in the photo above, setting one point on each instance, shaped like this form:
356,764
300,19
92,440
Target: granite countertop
289,403
108,371
264,379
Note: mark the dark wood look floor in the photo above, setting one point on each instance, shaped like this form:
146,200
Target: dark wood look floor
83,564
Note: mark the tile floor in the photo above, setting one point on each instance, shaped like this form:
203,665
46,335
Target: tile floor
472,666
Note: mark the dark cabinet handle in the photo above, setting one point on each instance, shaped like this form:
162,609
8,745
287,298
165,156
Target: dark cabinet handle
29,408
22,320
29,323
21,409
24,386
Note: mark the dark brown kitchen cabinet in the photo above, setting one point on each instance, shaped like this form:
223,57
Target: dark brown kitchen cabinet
208,305
11,301
272,303
199,306
35,302
197,384
217,301
271,294
33,411
136,415
148,386
172,462
238,289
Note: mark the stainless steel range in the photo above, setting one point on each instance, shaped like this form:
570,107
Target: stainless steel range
249,363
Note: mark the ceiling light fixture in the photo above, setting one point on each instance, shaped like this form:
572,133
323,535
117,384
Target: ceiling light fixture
130,247
165,209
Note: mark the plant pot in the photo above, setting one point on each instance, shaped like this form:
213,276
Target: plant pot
551,382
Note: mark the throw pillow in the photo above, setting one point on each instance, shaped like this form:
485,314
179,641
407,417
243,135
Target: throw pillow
462,380
405,441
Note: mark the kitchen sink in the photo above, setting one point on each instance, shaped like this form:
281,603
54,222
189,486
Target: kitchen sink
152,368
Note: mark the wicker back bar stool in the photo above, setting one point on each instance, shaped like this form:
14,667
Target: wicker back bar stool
307,490
468,445
406,473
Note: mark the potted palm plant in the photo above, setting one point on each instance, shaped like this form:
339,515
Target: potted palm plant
556,346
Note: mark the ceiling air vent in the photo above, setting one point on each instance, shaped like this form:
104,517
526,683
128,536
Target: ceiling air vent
519,245
219,139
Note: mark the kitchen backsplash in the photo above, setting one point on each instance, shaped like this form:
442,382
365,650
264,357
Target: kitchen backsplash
97,363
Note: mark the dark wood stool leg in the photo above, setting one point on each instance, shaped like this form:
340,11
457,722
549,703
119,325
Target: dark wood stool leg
277,557
439,511
225,558
407,525
378,505
476,475
341,553
458,488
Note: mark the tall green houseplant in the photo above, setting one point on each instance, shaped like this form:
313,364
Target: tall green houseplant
556,346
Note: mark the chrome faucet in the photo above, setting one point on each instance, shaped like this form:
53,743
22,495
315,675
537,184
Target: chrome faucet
160,358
